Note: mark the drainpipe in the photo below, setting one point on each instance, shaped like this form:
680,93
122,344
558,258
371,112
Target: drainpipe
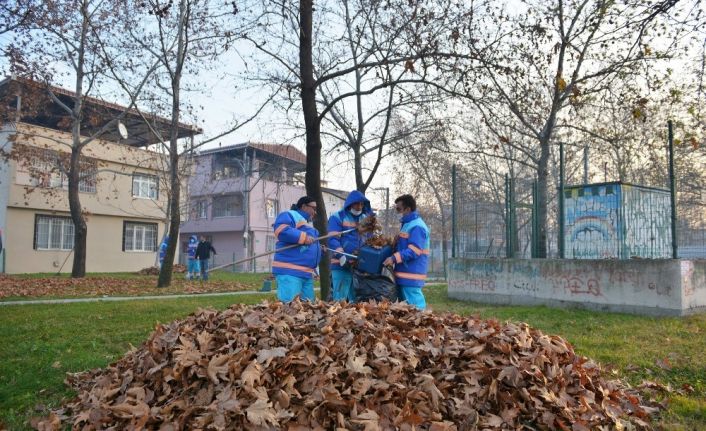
246,206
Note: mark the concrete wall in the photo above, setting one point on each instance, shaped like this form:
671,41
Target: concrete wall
653,287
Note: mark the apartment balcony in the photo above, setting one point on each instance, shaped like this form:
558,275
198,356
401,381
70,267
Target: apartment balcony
213,186
216,224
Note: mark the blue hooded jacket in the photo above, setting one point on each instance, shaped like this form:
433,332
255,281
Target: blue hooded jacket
163,248
291,227
412,251
343,220
191,248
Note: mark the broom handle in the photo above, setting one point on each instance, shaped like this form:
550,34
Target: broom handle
278,250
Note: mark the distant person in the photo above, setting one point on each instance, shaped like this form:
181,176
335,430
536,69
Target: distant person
355,209
203,254
163,250
411,252
193,269
294,268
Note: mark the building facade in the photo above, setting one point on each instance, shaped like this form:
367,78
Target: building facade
235,194
120,192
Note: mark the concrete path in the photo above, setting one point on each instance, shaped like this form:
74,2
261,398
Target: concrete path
131,298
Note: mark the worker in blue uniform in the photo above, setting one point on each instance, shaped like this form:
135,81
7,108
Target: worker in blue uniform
294,268
355,209
411,252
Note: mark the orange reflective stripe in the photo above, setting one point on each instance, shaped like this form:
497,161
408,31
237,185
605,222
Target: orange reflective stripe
302,238
415,249
280,228
398,257
410,276
426,251
349,224
301,223
277,264
404,235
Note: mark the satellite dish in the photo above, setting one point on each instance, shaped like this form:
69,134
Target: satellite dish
122,130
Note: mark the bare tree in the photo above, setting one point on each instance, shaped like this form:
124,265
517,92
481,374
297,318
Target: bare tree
187,41
543,58
346,52
78,37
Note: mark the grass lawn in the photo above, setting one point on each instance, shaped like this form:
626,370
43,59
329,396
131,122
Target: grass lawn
40,343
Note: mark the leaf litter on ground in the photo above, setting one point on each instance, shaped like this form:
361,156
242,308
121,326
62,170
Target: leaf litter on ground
340,366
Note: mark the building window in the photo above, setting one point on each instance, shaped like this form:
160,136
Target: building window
270,244
228,206
272,207
88,176
44,169
53,233
48,169
139,236
200,210
144,186
226,166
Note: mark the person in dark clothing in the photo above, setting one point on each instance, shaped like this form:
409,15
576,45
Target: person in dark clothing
203,254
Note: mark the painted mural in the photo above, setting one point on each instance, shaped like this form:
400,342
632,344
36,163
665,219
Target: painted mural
616,220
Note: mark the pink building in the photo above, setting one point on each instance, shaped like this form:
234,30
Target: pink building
235,193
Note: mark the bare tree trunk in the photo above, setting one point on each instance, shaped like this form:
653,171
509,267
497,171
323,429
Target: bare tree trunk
313,130
165,274
358,167
78,269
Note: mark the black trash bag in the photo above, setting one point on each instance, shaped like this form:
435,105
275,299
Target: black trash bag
373,286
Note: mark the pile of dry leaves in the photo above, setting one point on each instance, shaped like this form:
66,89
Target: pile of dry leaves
357,367
13,286
154,270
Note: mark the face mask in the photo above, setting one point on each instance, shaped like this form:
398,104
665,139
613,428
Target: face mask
356,213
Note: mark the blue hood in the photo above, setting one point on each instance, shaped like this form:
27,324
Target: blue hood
193,239
356,196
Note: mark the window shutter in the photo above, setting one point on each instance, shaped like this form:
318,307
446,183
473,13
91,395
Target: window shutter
124,227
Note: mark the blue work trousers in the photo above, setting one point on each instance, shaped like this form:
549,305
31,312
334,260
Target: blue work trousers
413,296
342,285
289,286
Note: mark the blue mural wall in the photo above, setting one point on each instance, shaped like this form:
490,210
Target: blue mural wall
616,220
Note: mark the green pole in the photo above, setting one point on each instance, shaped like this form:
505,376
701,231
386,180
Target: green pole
673,192
513,217
453,211
535,224
507,217
561,200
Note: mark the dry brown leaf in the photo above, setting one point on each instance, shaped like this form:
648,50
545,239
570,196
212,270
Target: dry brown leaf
261,413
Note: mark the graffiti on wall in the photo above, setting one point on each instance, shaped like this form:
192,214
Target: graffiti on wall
616,220
592,222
